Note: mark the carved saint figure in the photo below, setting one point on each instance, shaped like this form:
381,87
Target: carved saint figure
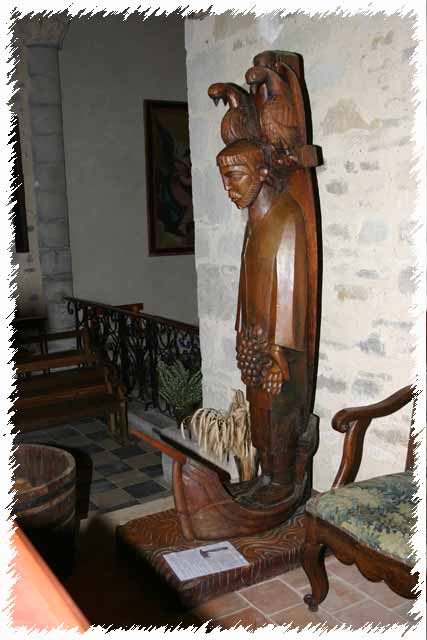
266,169
272,300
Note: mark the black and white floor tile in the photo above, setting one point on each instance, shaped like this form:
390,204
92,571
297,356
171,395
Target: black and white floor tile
110,476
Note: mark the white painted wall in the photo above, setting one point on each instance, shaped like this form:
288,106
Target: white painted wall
108,67
358,75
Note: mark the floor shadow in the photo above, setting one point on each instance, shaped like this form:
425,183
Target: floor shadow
84,473
113,590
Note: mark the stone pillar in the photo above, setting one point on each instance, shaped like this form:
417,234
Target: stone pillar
41,39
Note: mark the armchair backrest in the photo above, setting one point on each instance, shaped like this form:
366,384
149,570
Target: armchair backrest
410,457
354,421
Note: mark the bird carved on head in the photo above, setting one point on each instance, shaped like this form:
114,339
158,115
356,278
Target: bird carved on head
275,107
240,121
289,67
280,62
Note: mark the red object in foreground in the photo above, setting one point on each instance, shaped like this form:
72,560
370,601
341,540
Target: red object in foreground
39,599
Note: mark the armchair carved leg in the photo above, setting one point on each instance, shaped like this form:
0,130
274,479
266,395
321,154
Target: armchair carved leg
313,562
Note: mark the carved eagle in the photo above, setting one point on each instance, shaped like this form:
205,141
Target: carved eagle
280,62
240,121
276,110
289,67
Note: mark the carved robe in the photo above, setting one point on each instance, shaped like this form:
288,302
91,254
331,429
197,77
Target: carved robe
273,276
273,297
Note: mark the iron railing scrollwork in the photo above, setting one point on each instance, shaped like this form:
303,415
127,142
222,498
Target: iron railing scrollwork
136,343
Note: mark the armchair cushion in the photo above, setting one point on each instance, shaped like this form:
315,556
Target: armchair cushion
377,512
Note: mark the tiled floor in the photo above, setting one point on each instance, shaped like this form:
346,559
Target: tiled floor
351,600
131,596
109,476
118,481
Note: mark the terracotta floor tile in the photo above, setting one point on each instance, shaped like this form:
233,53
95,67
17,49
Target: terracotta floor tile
300,616
220,606
404,610
380,592
271,596
350,573
249,618
340,595
369,612
296,579
405,606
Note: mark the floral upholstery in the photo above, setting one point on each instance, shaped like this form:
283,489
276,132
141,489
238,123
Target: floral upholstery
378,512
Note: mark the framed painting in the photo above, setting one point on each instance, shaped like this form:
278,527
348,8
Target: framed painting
169,196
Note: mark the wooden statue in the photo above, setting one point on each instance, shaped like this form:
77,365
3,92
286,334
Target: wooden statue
266,168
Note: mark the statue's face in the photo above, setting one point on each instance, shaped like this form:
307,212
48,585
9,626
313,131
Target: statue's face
242,183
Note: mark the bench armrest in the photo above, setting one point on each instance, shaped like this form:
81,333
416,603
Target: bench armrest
354,421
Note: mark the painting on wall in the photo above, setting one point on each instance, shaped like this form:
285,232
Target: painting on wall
169,196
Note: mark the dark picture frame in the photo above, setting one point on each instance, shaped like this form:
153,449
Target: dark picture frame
168,172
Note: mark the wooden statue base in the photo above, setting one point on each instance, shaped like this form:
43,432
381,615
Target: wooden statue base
269,554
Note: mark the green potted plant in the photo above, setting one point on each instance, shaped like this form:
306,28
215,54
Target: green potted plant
181,388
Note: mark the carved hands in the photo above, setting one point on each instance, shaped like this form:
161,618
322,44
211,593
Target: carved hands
262,365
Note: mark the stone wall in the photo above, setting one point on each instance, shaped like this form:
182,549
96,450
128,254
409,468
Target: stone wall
358,75
44,171
29,288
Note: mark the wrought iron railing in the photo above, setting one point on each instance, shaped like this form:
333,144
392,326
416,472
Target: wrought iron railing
136,343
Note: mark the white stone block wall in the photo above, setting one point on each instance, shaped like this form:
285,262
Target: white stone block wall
29,288
50,184
358,74
40,116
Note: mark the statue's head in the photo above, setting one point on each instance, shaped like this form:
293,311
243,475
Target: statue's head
244,170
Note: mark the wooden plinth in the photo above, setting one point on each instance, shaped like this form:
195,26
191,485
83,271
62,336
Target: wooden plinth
269,554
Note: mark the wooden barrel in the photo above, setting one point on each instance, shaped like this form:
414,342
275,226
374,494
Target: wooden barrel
45,505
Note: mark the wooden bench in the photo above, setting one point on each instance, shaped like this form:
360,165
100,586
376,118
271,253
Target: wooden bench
53,388
80,344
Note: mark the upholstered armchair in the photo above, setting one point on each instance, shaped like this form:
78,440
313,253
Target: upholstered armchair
369,522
